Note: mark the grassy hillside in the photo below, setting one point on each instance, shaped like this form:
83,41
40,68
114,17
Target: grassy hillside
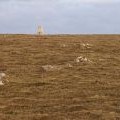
83,91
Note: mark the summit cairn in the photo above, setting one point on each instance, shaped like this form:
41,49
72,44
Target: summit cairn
40,30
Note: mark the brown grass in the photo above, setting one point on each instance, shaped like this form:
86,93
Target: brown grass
87,91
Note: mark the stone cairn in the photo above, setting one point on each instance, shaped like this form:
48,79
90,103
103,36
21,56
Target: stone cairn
40,30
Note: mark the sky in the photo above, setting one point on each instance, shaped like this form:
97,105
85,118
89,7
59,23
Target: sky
60,16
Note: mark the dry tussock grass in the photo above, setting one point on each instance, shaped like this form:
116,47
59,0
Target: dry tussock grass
82,92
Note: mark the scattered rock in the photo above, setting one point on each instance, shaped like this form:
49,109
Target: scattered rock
87,45
82,59
2,75
63,45
51,67
56,67
96,97
69,65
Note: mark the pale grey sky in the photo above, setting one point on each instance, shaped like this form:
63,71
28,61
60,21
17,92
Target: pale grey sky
60,16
